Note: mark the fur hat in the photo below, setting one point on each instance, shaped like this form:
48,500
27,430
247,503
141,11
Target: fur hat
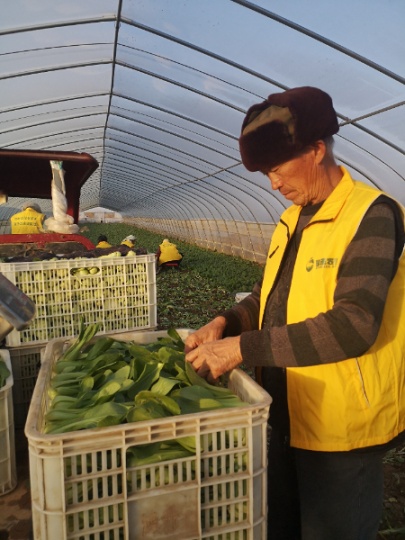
281,127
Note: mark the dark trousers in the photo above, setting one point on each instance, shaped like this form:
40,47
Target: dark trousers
323,495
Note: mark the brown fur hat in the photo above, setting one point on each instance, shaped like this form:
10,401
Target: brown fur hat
281,127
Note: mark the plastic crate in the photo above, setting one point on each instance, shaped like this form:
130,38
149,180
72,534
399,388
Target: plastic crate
8,472
83,488
25,364
120,294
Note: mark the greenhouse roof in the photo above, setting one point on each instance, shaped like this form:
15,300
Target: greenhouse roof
156,90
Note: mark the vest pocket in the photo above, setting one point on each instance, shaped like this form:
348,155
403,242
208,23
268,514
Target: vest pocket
363,390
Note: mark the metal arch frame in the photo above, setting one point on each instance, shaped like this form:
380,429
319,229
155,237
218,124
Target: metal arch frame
155,197
189,197
259,200
322,39
184,153
262,11
118,20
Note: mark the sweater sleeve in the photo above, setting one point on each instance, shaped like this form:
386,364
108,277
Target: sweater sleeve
351,326
244,316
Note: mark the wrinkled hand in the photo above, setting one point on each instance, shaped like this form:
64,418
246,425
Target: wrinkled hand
213,359
210,332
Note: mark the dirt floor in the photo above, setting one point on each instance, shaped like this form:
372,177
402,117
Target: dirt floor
15,506
393,521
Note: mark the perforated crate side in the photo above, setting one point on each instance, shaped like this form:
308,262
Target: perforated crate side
84,484
8,471
25,363
119,293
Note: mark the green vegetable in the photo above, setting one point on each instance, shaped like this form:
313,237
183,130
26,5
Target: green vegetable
102,382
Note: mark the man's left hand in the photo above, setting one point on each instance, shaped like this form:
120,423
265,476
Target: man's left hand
213,359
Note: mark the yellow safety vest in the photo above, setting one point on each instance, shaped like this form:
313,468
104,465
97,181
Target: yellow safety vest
27,222
103,245
357,402
168,252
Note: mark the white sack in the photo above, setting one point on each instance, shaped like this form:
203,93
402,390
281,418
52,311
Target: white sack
61,222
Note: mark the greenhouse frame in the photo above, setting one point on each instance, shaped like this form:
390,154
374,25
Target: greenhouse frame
156,92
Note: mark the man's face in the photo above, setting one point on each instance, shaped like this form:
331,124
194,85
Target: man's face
298,180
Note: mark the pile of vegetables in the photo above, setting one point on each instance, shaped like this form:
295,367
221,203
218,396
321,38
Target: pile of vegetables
35,254
106,382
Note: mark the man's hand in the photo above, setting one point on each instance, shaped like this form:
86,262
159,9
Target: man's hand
210,332
213,359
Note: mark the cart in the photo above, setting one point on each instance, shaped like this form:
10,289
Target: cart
27,173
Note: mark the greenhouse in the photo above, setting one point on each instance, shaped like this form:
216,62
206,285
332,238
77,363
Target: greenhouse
156,92
123,118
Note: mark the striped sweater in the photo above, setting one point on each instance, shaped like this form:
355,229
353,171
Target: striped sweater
351,327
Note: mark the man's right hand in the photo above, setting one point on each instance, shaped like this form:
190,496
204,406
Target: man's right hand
212,331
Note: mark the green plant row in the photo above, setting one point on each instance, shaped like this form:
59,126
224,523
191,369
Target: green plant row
232,273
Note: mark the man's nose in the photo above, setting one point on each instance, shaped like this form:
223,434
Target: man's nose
275,181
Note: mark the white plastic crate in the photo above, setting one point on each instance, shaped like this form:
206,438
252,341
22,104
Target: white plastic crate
25,364
8,472
119,293
83,488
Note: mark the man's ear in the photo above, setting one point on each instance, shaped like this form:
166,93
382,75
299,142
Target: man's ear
320,151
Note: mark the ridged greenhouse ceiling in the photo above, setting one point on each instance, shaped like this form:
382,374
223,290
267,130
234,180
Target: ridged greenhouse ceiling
156,91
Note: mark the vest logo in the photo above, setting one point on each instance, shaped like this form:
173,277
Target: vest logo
310,264
326,262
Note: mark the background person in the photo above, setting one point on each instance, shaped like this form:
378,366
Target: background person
29,221
129,241
168,254
325,324
102,242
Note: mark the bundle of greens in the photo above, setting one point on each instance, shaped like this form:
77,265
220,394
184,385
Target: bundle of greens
105,382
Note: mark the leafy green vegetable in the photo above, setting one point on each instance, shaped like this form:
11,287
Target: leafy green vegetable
102,382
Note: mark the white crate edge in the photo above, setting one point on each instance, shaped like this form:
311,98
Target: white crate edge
49,452
9,482
5,356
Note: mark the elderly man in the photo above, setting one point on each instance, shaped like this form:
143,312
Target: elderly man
325,325
29,221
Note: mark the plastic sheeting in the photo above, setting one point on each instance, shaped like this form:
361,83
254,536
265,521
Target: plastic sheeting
156,91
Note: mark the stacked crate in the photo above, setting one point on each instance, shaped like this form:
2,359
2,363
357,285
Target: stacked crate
119,293
84,484
8,473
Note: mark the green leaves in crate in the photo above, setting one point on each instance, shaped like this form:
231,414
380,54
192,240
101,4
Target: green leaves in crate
99,415
103,381
148,454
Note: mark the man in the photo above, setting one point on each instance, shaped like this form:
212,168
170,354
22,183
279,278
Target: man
29,221
325,324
